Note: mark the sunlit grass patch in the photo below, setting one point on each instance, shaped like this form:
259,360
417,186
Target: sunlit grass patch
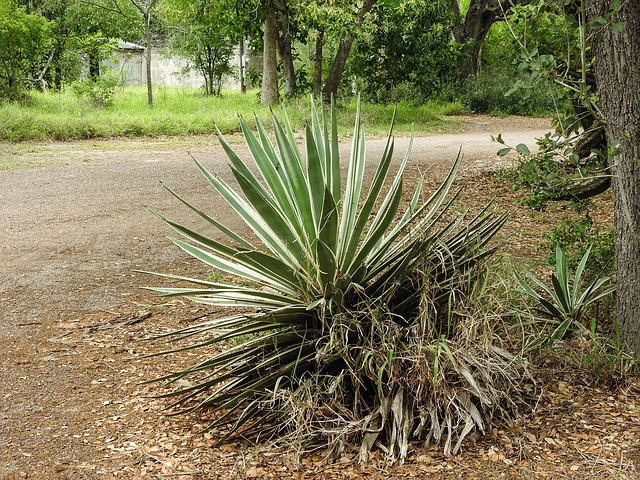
184,111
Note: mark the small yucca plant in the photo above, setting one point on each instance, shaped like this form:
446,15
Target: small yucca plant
353,303
564,303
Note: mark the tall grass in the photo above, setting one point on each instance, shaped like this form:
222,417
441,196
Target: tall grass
183,111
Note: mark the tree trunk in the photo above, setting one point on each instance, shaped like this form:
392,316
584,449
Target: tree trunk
94,68
243,85
286,55
578,189
480,15
317,68
618,75
147,39
269,93
207,71
337,68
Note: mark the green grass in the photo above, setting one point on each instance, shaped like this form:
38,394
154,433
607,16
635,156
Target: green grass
180,111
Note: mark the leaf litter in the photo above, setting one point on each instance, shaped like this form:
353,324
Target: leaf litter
575,430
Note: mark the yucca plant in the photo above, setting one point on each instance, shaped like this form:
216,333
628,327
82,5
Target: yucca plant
350,299
564,303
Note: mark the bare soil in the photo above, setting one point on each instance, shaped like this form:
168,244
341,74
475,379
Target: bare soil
75,224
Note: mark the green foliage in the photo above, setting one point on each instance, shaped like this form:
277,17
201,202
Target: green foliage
608,358
184,111
499,48
203,33
487,94
357,320
408,54
100,91
564,305
25,41
554,47
554,169
535,37
545,167
576,233
79,31
336,18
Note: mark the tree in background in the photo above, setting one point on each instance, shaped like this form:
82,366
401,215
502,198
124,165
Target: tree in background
202,32
328,23
344,47
287,30
269,93
471,32
408,49
25,45
76,30
287,22
282,25
138,14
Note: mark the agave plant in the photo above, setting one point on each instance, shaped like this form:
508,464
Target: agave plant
344,289
564,303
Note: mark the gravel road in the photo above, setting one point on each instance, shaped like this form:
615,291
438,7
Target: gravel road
71,233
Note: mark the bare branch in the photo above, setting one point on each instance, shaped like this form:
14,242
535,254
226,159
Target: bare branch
40,78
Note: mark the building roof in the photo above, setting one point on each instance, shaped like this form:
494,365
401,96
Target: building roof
129,46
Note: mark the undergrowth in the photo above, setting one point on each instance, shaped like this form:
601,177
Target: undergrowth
88,110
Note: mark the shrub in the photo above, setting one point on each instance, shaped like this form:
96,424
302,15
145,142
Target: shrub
100,91
487,94
363,324
25,42
578,232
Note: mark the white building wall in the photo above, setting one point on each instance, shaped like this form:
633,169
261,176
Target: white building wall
165,70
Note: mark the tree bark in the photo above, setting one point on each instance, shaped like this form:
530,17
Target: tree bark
147,39
337,68
618,75
480,15
269,93
593,138
145,7
317,67
340,60
578,189
286,54
243,85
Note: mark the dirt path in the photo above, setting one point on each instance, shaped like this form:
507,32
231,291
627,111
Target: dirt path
84,225
70,234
